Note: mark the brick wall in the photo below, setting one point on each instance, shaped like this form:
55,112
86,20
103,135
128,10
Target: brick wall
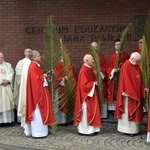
80,22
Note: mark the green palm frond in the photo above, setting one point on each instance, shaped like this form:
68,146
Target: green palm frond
145,62
70,83
98,75
51,57
118,61
51,44
122,40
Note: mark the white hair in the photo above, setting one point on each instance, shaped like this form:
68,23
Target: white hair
135,55
86,57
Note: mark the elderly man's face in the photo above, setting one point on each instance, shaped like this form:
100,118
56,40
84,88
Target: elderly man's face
37,58
90,61
1,58
135,61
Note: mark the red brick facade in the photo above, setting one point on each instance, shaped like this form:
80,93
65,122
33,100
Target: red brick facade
80,22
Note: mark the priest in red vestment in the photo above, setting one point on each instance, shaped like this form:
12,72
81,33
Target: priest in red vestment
139,46
87,111
129,108
59,77
111,69
39,111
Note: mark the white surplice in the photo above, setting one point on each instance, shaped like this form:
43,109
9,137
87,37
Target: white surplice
36,128
124,125
148,137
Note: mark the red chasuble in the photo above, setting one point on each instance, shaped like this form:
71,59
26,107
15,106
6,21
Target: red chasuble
111,64
58,77
38,95
130,82
85,83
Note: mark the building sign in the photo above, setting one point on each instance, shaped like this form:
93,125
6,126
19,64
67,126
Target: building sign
79,33
84,33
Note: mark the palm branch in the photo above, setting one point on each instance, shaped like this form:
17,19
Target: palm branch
122,40
70,83
145,62
145,65
118,61
51,58
98,75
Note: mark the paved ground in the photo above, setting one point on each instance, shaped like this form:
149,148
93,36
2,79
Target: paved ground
66,138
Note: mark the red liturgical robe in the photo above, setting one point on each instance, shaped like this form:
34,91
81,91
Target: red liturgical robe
58,77
111,64
85,84
130,82
39,95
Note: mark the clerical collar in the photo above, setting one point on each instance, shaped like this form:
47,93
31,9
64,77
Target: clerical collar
131,62
87,65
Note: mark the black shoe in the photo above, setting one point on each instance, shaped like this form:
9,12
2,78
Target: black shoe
92,134
96,133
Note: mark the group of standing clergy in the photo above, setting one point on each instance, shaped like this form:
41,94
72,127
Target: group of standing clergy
126,102
34,105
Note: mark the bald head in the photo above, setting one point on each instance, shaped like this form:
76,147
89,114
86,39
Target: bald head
94,45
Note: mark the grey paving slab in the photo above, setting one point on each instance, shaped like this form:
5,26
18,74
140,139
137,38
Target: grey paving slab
67,138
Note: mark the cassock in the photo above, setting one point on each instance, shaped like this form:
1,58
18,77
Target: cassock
111,64
129,108
87,111
38,104
59,78
6,94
